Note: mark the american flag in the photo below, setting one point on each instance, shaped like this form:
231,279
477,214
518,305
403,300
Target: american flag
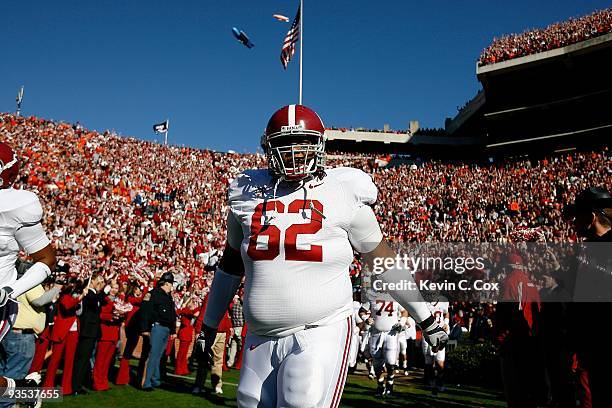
293,35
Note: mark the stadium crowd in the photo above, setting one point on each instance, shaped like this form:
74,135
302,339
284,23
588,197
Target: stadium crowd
362,129
554,36
123,213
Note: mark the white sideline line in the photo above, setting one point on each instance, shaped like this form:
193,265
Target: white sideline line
191,378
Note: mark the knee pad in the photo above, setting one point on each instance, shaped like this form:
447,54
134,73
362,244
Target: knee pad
301,383
252,393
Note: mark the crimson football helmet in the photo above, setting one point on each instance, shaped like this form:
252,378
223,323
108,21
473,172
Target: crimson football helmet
9,165
294,143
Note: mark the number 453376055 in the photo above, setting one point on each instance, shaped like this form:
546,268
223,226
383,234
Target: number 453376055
292,253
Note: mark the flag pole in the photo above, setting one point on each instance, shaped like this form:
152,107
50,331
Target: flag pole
301,44
166,132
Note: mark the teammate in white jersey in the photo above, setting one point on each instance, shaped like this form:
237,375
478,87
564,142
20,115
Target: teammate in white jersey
357,327
406,339
434,360
291,232
20,228
389,318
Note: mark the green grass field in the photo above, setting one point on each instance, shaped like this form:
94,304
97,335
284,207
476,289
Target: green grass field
359,392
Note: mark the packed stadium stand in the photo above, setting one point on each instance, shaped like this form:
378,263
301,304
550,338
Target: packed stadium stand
543,90
170,201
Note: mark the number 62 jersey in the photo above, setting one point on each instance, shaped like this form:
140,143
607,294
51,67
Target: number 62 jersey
296,242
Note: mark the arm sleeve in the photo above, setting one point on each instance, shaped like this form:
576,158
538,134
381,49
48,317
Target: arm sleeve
222,291
34,293
33,276
145,315
45,298
30,234
364,232
234,232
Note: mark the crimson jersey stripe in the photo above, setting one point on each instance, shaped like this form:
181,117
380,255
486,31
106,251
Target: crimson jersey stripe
342,374
345,368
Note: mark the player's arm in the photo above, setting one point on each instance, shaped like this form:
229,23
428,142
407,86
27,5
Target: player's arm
403,319
31,236
365,236
446,318
227,279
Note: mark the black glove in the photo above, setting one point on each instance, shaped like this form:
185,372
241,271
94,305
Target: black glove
204,343
31,381
433,334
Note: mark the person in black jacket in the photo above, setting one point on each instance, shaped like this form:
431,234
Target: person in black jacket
591,215
158,319
89,331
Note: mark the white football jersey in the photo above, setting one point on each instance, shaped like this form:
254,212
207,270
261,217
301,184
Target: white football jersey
296,246
18,209
386,313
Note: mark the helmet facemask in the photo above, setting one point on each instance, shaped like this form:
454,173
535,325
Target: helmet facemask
295,154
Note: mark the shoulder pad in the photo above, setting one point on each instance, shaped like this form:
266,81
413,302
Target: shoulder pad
26,209
11,199
248,182
357,184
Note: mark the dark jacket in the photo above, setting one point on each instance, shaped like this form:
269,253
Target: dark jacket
158,307
90,314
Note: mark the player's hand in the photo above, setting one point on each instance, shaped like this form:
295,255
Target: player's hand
204,344
30,381
433,334
5,295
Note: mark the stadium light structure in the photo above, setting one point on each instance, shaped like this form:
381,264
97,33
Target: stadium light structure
19,99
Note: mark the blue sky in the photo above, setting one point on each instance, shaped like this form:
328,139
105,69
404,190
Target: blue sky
125,65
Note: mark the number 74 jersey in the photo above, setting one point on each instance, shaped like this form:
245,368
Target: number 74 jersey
296,242
385,313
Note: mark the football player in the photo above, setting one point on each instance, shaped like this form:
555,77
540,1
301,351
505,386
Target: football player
357,326
434,359
20,228
406,340
364,340
384,340
291,232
